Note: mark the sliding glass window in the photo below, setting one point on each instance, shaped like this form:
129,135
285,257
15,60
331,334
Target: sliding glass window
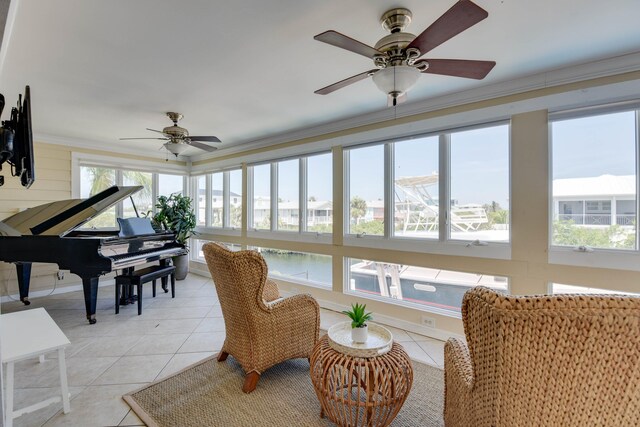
303,193
200,196
288,212
366,194
261,203
217,199
319,193
594,195
429,289
143,199
430,192
479,182
94,179
235,198
170,184
416,190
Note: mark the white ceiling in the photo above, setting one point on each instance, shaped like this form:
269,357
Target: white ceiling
246,70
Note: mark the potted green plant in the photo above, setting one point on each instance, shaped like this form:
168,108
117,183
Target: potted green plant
174,213
359,319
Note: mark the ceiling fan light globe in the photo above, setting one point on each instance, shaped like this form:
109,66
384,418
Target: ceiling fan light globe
175,148
399,78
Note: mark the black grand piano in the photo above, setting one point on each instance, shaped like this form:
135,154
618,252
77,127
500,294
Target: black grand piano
49,233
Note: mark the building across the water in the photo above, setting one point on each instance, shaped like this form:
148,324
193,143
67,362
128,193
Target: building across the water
595,201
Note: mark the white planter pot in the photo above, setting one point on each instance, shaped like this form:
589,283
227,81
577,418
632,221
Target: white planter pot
359,335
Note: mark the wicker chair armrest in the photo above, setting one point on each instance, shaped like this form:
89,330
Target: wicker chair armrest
270,292
457,361
298,302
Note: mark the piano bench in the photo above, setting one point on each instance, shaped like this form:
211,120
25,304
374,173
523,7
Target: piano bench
140,277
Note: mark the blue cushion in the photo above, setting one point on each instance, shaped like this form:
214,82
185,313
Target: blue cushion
135,226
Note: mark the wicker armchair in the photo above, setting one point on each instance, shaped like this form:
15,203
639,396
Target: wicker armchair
259,333
563,360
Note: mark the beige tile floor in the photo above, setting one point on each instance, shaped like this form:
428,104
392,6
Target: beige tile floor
123,352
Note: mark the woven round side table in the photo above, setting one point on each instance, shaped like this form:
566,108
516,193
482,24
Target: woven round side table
360,391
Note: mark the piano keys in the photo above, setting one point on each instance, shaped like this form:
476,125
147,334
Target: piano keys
50,233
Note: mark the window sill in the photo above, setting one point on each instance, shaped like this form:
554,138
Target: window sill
598,258
496,250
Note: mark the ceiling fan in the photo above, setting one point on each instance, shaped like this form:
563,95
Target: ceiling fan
397,55
178,138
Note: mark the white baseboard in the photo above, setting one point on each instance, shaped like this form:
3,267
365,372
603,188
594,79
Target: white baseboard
58,290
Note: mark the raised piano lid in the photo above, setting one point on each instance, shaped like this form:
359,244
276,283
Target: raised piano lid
61,217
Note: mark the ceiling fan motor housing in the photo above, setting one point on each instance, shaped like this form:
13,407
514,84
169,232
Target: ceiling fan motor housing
394,45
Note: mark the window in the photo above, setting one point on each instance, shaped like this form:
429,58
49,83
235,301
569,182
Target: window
302,188
594,181
93,180
288,195
479,201
200,254
407,190
143,199
170,184
262,197
201,199
319,196
426,288
416,188
217,199
366,190
235,198
298,266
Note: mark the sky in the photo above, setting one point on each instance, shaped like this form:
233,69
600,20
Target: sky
593,146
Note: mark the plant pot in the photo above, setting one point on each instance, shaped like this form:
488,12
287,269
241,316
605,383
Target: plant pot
182,266
359,335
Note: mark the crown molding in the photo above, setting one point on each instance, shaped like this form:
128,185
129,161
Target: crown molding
562,76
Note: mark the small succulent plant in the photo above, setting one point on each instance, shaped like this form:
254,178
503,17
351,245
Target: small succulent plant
358,316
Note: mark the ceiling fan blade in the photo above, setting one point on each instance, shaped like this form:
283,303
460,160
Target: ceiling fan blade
153,130
125,139
340,40
460,68
346,82
201,146
462,15
205,138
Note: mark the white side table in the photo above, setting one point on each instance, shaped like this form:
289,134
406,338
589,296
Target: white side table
24,335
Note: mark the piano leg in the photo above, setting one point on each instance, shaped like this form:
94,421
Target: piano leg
164,280
90,288
24,277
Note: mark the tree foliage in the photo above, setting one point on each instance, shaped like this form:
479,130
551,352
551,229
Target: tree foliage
566,233
358,208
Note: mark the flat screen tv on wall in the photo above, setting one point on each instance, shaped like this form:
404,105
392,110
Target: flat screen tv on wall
16,140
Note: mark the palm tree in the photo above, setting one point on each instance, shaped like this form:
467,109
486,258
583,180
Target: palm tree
358,208
101,179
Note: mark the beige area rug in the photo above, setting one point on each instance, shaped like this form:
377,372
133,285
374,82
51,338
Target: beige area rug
209,393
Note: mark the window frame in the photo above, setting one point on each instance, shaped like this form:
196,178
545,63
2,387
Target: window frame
80,160
208,227
401,303
302,234
583,256
444,244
